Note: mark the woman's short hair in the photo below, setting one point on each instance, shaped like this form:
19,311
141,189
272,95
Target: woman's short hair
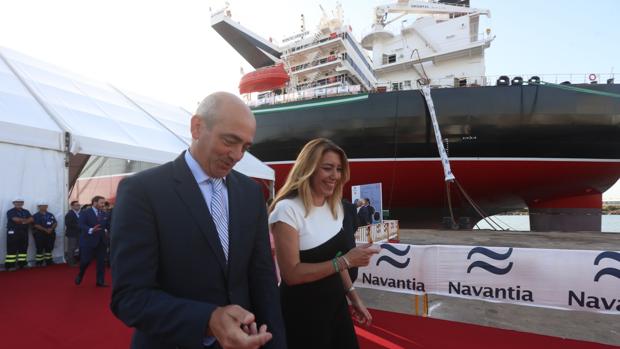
298,180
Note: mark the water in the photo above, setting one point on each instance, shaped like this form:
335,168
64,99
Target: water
610,224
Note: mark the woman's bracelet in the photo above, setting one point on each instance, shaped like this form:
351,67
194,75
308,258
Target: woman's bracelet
336,265
347,262
351,289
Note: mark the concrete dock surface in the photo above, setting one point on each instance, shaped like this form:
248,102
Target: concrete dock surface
578,325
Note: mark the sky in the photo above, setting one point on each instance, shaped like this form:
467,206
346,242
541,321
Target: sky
167,50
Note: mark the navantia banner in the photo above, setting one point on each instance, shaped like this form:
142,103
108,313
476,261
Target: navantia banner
563,279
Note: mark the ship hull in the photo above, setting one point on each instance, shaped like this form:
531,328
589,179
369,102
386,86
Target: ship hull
552,150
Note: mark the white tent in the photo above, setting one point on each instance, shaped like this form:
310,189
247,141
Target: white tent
47,113
167,116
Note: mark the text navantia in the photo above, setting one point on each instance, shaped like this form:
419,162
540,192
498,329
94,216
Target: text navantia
405,284
593,302
514,293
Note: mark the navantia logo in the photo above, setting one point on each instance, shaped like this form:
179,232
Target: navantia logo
607,271
596,301
493,255
393,250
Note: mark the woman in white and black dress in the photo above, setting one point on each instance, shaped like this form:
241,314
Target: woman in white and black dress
314,253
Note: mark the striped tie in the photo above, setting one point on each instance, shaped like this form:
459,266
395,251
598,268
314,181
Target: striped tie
219,211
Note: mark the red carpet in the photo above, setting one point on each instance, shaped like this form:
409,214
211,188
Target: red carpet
42,308
398,331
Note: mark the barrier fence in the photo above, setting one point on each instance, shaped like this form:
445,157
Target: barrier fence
585,280
385,231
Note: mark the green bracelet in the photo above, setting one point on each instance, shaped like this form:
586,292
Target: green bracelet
335,264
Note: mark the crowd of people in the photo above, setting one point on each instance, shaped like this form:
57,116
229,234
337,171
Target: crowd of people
78,236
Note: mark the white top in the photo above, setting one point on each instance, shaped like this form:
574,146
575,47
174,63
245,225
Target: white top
314,230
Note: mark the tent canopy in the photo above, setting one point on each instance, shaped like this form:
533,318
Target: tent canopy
39,102
22,120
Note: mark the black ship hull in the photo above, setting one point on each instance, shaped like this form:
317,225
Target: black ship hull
553,150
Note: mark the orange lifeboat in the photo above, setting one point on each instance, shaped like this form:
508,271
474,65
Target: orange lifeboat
264,79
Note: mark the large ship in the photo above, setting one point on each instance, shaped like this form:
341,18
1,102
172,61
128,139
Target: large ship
513,142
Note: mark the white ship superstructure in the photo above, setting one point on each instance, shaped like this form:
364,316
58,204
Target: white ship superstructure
442,45
329,58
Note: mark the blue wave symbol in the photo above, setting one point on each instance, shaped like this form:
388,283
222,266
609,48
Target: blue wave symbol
607,271
490,253
394,262
392,249
490,268
607,254
396,251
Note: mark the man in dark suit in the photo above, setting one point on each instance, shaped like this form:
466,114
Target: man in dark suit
72,232
363,214
350,223
371,211
191,261
94,224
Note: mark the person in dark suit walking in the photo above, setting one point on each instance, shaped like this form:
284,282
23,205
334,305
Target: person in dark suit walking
191,261
94,224
72,232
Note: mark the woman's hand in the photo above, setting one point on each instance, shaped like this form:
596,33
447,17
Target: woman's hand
360,255
360,313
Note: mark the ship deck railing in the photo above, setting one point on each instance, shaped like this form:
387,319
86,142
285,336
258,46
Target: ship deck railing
337,89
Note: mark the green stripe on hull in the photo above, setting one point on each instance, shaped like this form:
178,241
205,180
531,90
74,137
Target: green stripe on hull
311,105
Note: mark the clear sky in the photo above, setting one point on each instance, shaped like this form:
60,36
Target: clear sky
167,49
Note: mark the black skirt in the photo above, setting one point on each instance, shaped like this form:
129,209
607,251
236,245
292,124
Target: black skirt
316,314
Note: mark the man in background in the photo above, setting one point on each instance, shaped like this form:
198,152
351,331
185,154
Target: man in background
17,225
363,214
44,224
94,224
371,211
72,233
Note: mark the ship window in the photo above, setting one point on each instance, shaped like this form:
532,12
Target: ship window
395,86
387,59
407,84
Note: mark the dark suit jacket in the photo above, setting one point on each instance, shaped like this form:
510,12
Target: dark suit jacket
364,215
169,272
350,223
88,219
371,213
72,224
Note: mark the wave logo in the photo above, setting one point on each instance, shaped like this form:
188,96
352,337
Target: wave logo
493,255
607,271
393,250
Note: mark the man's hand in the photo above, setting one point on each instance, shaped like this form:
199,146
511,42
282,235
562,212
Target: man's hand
234,328
96,228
